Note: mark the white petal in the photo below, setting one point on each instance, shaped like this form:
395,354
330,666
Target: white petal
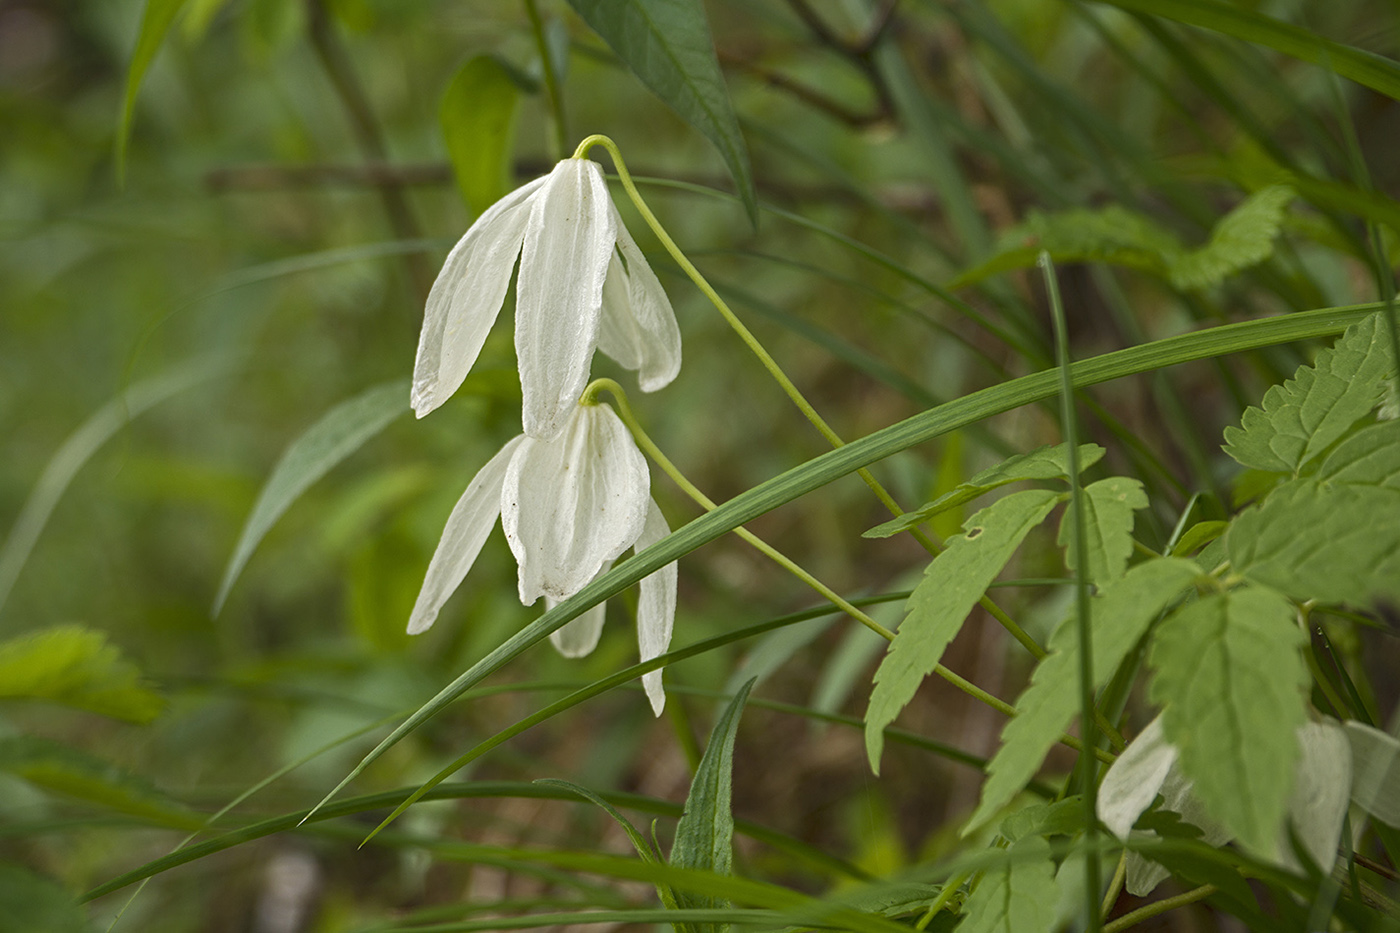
656,607
571,504
579,636
639,327
559,294
1375,760
1133,781
1321,788
1143,875
467,296
467,528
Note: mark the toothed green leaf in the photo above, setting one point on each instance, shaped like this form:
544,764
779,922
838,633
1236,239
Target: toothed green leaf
76,666
1108,519
1017,897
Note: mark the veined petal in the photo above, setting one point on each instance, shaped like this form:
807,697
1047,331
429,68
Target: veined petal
1321,789
1135,779
656,607
639,327
466,298
579,636
467,528
568,242
571,504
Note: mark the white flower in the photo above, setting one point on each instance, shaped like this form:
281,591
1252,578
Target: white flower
1148,766
573,294
570,506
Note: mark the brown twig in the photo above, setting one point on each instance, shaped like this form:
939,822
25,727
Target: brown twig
804,93
861,51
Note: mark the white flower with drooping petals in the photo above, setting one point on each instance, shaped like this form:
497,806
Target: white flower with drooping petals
570,506
583,285
1148,766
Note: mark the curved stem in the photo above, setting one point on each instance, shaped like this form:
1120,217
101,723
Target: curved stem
779,376
1159,907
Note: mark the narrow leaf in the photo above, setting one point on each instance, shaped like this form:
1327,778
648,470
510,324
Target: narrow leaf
1243,238
75,666
1108,527
1018,896
1119,615
338,434
477,115
1307,414
1042,463
1230,679
667,45
952,585
156,20
704,835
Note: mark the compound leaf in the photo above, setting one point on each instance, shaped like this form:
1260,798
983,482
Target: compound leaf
1018,896
1108,517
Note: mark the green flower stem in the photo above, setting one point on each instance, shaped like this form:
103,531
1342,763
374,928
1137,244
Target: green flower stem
1115,886
559,139
781,377
648,446
1158,908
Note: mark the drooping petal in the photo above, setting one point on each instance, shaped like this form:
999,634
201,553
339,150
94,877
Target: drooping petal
1134,780
1321,789
466,298
571,504
579,636
656,607
467,527
568,242
639,326
1375,757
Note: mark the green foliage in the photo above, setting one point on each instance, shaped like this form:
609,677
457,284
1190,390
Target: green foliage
76,666
953,583
31,902
1108,527
156,19
477,115
1230,678
1018,896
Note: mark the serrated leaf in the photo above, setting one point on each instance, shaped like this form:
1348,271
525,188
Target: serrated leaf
1118,616
953,583
705,832
75,666
156,19
1017,897
1305,415
667,45
1230,679
1050,462
1243,238
339,433
1108,517
1375,764
76,774
477,116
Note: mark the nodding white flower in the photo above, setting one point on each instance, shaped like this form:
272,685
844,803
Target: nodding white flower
1322,781
570,506
583,285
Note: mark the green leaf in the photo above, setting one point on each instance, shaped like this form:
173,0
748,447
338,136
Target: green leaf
477,115
953,583
75,666
1335,536
1061,818
76,774
34,903
1243,238
1119,615
156,20
1042,463
1307,414
1108,516
339,433
1018,896
1375,764
1198,536
667,45
704,835
1230,679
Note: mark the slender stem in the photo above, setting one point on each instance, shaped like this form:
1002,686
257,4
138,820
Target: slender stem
779,376
950,889
1115,885
1157,908
559,139
648,446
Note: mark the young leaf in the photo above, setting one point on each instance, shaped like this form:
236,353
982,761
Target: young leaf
1041,463
1108,514
339,433
1308,413
1119,615
1018,896
1375,764
951,586
477,116
667,45
1243,238
75,666
1230,679
705,832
